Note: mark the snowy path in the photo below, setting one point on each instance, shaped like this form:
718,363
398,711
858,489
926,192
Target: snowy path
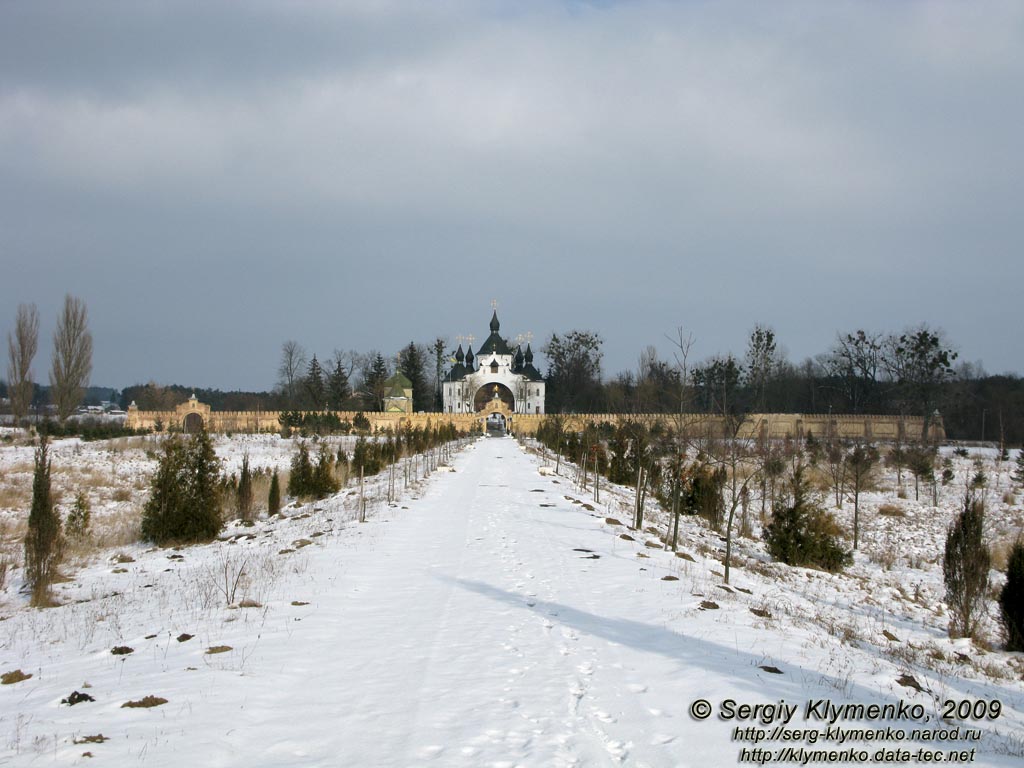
472,633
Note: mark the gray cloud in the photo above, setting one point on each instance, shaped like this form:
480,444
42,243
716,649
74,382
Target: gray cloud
215,178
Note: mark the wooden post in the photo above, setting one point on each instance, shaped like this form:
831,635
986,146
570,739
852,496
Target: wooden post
586,462
597,482
636,501
362,497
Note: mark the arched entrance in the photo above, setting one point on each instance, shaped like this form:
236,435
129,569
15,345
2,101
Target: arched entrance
192,423
486,396
496,425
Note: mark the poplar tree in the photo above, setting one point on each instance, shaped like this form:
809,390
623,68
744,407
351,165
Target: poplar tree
21,349
72,357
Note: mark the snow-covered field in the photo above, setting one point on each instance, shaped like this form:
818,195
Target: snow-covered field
492,616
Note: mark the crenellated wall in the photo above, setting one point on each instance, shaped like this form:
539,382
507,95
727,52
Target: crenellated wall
771,425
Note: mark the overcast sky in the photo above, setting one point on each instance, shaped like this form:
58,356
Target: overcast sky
214,178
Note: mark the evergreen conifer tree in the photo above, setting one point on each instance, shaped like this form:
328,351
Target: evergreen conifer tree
77,525
1018,473
802,533
413,364
1011,599
243,495
373,382
314,385
43,544
184,501
274,497
337,387
965,568
300,482
324,482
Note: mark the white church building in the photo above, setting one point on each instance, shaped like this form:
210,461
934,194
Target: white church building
496,373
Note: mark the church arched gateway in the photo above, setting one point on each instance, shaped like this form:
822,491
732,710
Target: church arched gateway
486,396
497,371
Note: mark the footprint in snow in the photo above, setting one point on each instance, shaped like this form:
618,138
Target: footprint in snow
636,688
662,738
603,716
430,752
617,749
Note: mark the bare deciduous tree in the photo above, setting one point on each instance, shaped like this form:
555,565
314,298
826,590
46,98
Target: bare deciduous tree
72,357
293,362
21,350
860,464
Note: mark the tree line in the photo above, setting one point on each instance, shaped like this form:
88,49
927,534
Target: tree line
913,372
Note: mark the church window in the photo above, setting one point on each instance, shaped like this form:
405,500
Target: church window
494,366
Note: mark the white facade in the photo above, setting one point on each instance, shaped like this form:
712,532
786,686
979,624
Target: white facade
470,385
459,396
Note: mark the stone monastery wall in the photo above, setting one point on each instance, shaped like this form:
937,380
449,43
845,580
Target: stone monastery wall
774,425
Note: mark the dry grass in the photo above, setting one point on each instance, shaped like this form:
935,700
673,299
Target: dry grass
891,510
1000,552
885,557
16,496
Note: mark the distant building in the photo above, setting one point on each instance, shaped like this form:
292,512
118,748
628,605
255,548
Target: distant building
496,373
398,394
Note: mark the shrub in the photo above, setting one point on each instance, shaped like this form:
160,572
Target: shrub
324,482
702,493
300,482
43,545
965,568
77,525
802,533
891,510
184,502
368,456
307,480
1011,599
